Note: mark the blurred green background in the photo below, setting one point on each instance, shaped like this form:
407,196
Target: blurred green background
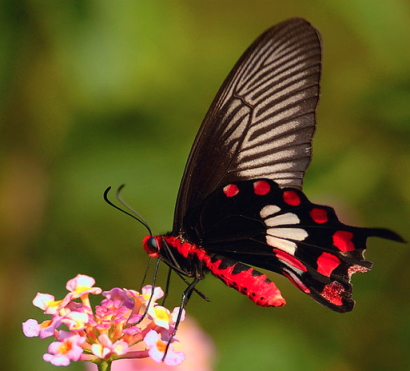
100,93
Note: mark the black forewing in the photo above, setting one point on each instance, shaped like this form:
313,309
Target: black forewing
262,120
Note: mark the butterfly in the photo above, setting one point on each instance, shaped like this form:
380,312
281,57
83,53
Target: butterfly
240,204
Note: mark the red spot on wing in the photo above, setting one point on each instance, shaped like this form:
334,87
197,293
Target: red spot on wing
327,263
261,187
356,268
332,292
291,198
231,190
296,281
319,215
290,259
343,240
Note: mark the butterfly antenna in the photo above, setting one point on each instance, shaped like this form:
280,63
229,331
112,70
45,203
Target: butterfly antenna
142,220
136,215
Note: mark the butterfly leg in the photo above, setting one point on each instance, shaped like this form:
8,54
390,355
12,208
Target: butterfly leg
167,286
154,279
185,298
201,294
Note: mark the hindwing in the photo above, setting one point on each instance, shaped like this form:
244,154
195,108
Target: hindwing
258,223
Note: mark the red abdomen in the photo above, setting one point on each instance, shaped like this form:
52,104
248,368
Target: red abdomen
248,281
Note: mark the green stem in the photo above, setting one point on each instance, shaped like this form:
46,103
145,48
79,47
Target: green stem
104,366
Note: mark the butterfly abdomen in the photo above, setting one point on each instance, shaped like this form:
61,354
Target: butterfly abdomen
248,281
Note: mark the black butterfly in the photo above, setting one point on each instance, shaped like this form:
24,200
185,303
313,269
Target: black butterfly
240,200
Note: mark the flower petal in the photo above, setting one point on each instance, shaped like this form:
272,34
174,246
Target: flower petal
173,359
31,328
151,338
56,360
42,300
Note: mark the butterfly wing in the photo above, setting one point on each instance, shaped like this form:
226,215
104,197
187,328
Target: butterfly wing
257,222
262,121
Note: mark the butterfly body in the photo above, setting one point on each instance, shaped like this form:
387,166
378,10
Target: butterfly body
197,262
240,203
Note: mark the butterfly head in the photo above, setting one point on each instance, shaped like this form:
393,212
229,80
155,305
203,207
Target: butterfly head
152,245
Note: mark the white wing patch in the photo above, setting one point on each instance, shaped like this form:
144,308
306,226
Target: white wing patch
281,244
269,210
282,237
284,219
297,234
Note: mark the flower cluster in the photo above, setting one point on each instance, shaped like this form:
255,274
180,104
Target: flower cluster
115,330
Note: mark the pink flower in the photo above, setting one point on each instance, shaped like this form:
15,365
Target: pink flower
161,316
143,299
119,294
60,353
175,313
105,349
112,331
32,328
147,290
75,320
146,294
198,348
81,285
157,349
46,302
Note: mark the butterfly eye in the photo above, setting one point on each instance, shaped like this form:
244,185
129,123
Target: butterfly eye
152,244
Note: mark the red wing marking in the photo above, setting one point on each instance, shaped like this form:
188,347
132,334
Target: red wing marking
291,198
356,268
231,190
291,260
327,263
296,281
261,187
332,292
319,215
343,240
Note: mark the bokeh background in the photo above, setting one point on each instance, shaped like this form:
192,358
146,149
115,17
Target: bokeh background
98,93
